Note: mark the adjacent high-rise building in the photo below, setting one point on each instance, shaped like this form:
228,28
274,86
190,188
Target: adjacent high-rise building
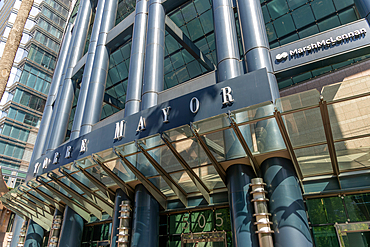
196,123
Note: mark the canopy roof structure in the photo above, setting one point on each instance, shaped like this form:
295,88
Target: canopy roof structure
325,135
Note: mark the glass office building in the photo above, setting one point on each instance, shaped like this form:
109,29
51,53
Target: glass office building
203,123
28,85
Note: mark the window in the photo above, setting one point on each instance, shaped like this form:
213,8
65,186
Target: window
42,57
35,78
29,100
15,132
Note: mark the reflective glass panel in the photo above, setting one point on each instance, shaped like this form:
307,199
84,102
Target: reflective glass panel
314,160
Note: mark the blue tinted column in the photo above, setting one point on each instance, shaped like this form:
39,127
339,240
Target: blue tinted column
228,65
35,235
72,229
77,120
154,55
286,204
48,110
96,89
145,225
17,227
363,7
64,106
135,76
241,209
255,42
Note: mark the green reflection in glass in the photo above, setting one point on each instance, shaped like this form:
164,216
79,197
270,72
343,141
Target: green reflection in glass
358,207
325,236
326,210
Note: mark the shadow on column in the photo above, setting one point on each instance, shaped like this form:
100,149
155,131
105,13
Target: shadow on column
145,224
72,228
286,204
241,209
35,235
120,196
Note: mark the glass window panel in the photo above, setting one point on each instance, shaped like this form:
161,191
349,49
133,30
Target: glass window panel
186,55
185,30
177,60
183,179
326,210
113,72
117,56
167,65
162,186
271,35
325,236
296,3
358,207
15,132
179,223
31,80
195,29
171,79
191,152
314,160
347,16
194,69
340,4
211,41
303,16
189,12
9,149
166,159
322,8
202,221
201,5
321,71
302,77
284,25
266,15
207,21
353,154
210,177
289,39
182,74
6,130
329,23
277,8
171,44
20,116
285,83
178,18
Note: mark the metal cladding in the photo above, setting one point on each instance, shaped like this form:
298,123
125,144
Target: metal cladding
363,7
119,198
255,43
154,55
72,229
96,89
63,110
17,227
87,71
238,178
228,57
286,203
135,77
41,139
145,219
35,234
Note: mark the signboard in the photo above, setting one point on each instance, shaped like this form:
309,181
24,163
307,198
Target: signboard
325,45
243,91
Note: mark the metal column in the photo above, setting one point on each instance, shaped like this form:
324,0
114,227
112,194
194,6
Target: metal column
154,55
255,43
135,76
77,120
54,86
17,227
363,7
286,203
64,106
228,57
241,209
120,196
72,228
35,235
96,89
145,225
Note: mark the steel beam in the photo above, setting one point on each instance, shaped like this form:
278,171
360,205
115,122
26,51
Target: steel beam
106,191
125,187
180,192
180,37
103,203
220,170
154,191
329,138
83,212
244,144
44,207
193,176
48,198
289,146
85,202
34,207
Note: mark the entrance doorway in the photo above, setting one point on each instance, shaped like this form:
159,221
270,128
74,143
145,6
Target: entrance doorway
204,239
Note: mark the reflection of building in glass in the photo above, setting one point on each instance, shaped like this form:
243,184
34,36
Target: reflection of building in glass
160,113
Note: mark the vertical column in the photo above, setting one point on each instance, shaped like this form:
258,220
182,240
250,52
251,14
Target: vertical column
35,235
241,210
64,106
286,204
17,227
120,196
255,43
135,76
96,89
363,7
55,229
54,86
72,229
145,225
228,65
77,120
154,55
